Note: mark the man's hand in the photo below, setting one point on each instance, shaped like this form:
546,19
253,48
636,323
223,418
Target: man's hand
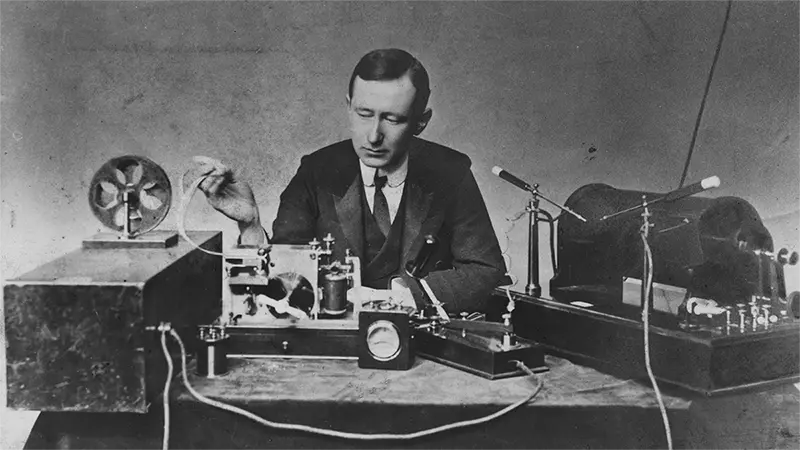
701,306
233,198
362,294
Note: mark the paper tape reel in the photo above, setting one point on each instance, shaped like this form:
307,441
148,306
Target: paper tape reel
130,195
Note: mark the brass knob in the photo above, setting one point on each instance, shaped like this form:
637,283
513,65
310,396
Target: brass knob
783,257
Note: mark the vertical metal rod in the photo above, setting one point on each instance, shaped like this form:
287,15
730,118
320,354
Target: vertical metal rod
533,288
760,288
126,205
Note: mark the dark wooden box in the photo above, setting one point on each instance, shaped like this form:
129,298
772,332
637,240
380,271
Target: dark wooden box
611,338
76,327
319,338
480,358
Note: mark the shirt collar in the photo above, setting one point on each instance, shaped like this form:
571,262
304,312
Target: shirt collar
394,178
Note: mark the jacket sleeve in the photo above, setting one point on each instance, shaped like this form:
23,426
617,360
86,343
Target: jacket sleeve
298,210
477,262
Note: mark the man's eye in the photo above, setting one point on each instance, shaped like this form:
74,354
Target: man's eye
394,120
365,114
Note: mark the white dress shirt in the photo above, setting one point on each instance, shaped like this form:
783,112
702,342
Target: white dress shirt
393,190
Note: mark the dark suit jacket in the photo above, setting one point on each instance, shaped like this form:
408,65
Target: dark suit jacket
442,198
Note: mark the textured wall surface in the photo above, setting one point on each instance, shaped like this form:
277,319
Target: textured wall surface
560,93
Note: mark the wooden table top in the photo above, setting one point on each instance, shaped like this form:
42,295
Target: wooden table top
426,383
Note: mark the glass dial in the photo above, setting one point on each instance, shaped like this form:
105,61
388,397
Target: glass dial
383,340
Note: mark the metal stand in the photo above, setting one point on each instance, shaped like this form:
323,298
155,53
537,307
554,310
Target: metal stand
533,288
127,205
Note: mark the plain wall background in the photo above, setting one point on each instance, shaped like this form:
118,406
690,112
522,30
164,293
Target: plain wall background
559,93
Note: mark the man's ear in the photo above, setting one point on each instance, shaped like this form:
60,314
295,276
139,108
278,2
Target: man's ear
423,121
347,100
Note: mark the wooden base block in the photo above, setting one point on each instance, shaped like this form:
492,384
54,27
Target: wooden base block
153,239
610,337
313,338
450,348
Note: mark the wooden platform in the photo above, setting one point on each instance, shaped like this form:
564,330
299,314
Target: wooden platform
609,336
578,407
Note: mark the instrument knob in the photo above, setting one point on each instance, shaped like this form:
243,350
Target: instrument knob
328,240
741,309
766,315
783,257
793,304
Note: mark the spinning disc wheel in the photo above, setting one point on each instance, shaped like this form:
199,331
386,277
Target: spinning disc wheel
130,194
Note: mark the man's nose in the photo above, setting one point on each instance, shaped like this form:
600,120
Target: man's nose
375,132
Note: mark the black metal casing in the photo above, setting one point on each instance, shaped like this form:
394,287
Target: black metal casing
481,354
707,246
404,358
694,241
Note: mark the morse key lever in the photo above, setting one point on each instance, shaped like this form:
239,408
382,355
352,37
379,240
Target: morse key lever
414,268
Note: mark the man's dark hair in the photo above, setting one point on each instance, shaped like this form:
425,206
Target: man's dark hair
392,64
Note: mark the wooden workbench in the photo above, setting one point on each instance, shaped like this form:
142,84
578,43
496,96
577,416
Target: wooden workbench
577,407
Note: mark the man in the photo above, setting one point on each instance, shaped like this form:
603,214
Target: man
381,192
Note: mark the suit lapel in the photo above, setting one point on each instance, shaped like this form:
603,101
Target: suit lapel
342,180
419,192
348,209
344,184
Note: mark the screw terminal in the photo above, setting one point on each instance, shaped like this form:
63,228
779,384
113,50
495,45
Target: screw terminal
162,327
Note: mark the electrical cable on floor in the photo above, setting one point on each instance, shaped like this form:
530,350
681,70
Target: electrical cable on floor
646,326
334,433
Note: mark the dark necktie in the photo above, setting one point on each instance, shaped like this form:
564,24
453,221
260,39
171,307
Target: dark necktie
380,207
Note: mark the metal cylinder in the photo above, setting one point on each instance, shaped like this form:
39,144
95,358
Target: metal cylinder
212,357
334,294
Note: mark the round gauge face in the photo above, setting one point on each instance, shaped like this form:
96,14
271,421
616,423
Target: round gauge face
383,340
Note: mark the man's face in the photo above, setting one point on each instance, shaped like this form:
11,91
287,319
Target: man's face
382,121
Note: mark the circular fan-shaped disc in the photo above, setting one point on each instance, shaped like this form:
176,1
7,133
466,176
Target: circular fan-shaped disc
142,182
294,286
